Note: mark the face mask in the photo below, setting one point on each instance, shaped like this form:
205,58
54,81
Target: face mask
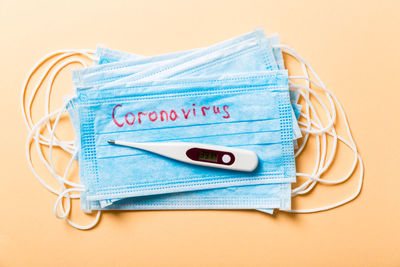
216,112
273,196
311,127
164,57
227,57
105,55
232,54
244,197
239,197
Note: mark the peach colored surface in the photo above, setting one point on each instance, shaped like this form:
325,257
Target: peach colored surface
354,47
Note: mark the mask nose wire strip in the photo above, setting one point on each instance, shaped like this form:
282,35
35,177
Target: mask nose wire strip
35,129
313,179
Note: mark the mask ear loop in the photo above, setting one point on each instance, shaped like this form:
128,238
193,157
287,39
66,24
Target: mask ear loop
65,214
63,191
52,168
29,140
62,180
335,136
318,156
311,183
67,146
323,168
51,82
333,100
28,119
306,97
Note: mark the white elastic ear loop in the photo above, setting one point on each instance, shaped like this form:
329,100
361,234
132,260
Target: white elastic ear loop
324,146
52,130
307,135
299,58
65,192
319,157
340,203
27,117
330,118
40,153
320,84
286,49
51,81
331,158
28,145
65,214
64,54
314,178
306,96
61,179
352,145
311,183
67,145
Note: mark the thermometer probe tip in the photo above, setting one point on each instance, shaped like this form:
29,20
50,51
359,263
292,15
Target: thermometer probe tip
111,141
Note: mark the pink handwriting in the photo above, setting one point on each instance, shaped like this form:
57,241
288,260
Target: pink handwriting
130,118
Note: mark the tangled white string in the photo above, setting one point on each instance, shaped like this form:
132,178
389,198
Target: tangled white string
316,128
64,193
312,127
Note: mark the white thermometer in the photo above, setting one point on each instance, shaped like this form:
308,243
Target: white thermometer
201,154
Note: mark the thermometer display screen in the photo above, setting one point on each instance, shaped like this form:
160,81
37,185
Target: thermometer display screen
207,156
211,156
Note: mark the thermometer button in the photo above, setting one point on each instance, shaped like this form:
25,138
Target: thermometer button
226,158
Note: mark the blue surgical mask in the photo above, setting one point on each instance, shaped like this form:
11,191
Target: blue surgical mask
262,197
193,62
148,85
105,52
105,55
246,53
227,57
223,95
241,197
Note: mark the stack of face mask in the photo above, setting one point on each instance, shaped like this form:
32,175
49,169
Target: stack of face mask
234,94
231,94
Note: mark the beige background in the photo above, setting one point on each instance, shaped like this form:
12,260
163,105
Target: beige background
352,44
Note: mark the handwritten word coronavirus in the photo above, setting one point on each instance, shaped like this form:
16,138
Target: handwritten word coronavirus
130,118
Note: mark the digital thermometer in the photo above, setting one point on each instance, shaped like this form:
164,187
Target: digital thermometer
201,154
